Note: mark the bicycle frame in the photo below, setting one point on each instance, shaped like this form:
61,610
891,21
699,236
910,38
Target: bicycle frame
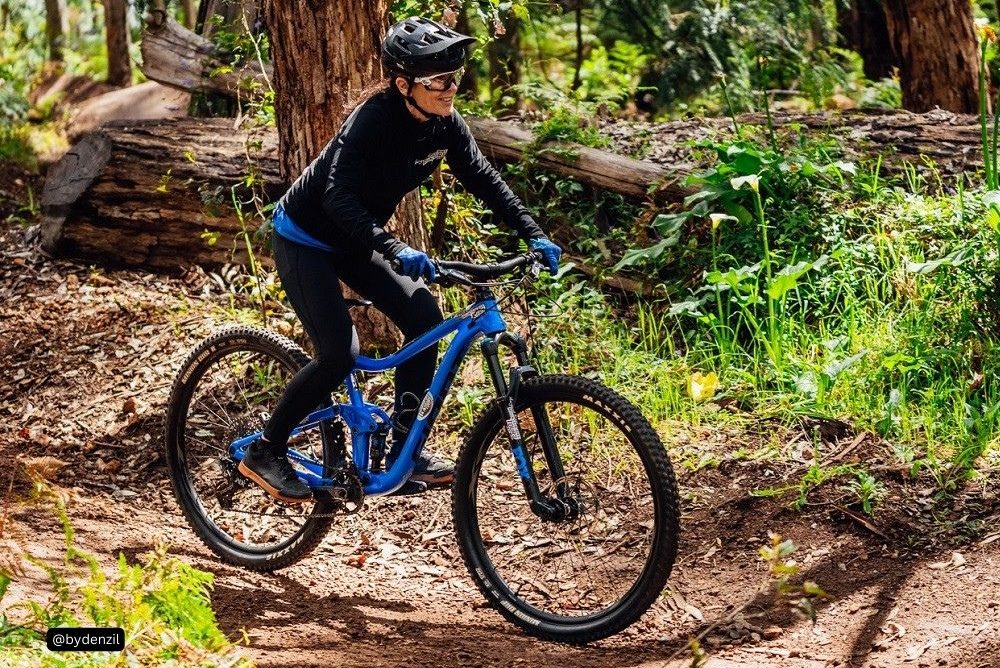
482,318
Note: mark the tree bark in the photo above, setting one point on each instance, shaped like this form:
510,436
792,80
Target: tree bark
504,55
55,28
935,41
190,13
862,27
116,26
506,142
325,54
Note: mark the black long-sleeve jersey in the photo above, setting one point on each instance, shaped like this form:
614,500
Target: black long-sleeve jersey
346,196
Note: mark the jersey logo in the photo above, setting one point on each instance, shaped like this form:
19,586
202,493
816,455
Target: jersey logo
433,157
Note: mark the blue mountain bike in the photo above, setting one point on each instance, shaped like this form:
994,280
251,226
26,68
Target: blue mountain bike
564,501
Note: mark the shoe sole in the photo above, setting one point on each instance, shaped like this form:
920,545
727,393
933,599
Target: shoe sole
431,481
247,472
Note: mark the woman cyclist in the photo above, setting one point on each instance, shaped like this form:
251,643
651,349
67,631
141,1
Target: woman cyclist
330,227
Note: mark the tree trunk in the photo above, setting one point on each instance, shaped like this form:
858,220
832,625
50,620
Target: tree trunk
504,55
935,41
325,54
862,27
190,13
55,28
116,25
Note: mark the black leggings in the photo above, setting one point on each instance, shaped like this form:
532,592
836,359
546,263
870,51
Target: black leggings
310,279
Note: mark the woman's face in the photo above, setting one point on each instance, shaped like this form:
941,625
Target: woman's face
439,102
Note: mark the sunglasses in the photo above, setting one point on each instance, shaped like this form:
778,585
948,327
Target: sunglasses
441,81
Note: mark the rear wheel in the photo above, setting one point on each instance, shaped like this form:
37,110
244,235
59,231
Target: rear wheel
598,569
226,389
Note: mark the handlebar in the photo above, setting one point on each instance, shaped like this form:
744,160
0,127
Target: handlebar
462,273
451,272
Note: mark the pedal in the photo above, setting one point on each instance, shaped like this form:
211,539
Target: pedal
410,487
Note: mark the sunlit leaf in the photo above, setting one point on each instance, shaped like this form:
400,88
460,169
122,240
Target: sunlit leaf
835,368
752,181
953,259
702,386
787,279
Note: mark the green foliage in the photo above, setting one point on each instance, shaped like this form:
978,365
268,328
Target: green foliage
787,46
869,491
611,75
776,555
565,122
15,146
489,12
810,281
162,604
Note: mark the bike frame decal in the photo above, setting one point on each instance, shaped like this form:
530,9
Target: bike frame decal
426,404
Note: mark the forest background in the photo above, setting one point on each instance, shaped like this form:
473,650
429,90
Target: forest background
802,286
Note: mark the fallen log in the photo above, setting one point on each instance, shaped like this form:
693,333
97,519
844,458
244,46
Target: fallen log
506,142
178,57
149,100
173,55
157,194
936,140
150,194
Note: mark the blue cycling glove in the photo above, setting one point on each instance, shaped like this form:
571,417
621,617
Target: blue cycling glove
414,264
549,250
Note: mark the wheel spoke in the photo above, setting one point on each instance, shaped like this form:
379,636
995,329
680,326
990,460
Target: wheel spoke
590,562
231,388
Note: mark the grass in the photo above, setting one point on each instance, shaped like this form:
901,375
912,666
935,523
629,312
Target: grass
821,289
161,603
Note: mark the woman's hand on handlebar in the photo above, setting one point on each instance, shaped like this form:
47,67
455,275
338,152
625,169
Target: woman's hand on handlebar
549,251
415,264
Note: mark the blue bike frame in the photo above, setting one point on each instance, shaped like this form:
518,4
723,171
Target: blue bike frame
482,318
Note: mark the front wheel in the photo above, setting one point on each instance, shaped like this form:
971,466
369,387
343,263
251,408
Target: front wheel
593,572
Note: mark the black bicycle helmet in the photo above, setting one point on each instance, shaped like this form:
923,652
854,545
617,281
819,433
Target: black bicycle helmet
420,47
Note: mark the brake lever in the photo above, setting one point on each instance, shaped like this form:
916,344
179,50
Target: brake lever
447,277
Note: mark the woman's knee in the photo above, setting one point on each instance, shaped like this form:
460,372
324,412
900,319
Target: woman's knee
422,314
335,359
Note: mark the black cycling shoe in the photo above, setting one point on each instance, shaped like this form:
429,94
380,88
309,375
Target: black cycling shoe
431,470
274,473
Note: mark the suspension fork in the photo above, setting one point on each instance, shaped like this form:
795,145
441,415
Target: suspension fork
507,396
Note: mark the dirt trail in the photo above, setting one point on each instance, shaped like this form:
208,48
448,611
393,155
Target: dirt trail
87,358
